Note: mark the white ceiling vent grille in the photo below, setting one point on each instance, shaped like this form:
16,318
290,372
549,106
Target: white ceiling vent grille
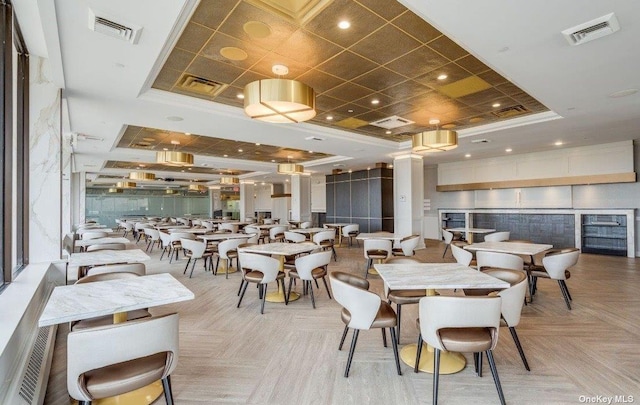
391,122
107,25
594,29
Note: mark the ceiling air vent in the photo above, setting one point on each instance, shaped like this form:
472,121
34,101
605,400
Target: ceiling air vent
200,85
107,25
510,111
391,122
481,141
594,29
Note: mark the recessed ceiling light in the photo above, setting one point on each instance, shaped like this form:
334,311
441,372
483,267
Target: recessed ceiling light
375,101
390,166
225,155
434,121
495,105
623,93
175,118
559,143
467,155
350,171
350,110
240,96
273,160
329,117
257,144
368,168
187,133
182,171
388,132
165,148
289,157
287,180
189,169
344,24
240,150
262,183
175,142
442,77
508,150
310,151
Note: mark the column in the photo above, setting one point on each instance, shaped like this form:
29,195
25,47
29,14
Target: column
45,164
408,194
216,202
300,197
247,200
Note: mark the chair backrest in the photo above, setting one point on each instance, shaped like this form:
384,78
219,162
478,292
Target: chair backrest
251,229
512,297
106,246
440,312
409,244
95,348
305,224
93,235
306,264
253,238
557,263
276,231
499,260
154,234
448,236
196,248
346,230
377,244
362,305
268,266
227,245
196,222
268,221
329,234
136,268
106,276
176,236
462,256
351,279
128,226
294,237
208,225
497,236
165,238
233,228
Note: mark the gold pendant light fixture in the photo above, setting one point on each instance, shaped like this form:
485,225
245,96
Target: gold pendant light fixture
197,187
170,191
229,180
125,184
173,157
142,176
115,190
438,140
290,168
279,100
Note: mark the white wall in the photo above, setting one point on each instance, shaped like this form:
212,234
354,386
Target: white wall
318,193
263,197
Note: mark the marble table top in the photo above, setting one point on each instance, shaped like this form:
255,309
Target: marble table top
82,301
195,231
224,236
338,224
83,230
101,241
515,248
108,257
281,249
267,226
171,226
309,230
379,235
472,230
435,275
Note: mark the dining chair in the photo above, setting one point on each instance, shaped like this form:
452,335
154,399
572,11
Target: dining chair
252,229
267,221
93,235
176,244
112,360
153,236
167,247
555,266
362,310
309,269
227,251
463,256
106,246
128,227
449,241
402,297
351,233
195,250
460,324
499,260
228,227
306,224
137,268
276,234
376,249
497,236
294,237
261,270
326,240
407,246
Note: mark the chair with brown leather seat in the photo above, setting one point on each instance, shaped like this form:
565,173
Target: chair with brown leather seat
227,251
106,246
408,244
137,268
196,250
310,268
376,249
555,266
142,352
261,270
403,297
449,241
463,256
351,232
460,324
363,310
497,236
326,239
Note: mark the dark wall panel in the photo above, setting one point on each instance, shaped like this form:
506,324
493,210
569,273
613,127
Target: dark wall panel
375,198
387,198
343,199
330,199
360,198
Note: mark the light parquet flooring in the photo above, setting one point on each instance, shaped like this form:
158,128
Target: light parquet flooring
290,354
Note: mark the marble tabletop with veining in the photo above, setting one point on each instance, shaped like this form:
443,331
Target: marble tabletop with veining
404,276
516,248
309,230
379,235
108,257
83,230
101,241
282,249
82,301
224,236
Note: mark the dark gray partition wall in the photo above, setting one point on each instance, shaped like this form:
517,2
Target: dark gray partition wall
363,197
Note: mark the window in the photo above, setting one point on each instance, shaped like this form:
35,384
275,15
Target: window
14,146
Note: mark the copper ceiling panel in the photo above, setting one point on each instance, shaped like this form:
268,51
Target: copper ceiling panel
151,167
388,53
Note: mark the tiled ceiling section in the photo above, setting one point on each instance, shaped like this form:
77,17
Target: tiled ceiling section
156,167
158,140
388,55
163,179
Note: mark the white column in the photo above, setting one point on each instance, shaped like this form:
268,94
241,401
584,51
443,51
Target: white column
247,201
300,197
216,202
408,194
45,164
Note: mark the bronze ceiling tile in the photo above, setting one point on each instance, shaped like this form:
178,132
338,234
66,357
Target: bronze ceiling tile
281,29
368,102
248,77
493,78
194,37
416,27
464,87
447,48
184,92
347,65
504,101
417,62
351,110
510,89
384,8
319,81
385,45
379,79
427,99
472,64
179,60
322,118
421,117
457,113
371,116
166,79
211,13
326,103
363,22
265,66
482,97
219,41
307,48
351,123
406,90
229,96
453,72
214,70
348,92
402,108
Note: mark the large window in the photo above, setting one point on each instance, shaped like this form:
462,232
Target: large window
14,154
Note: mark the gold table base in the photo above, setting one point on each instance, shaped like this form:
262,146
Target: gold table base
450,362
145,395
278,296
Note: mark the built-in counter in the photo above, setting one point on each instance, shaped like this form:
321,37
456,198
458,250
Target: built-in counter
602,231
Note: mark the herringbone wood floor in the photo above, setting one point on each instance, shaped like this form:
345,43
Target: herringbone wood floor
290,354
